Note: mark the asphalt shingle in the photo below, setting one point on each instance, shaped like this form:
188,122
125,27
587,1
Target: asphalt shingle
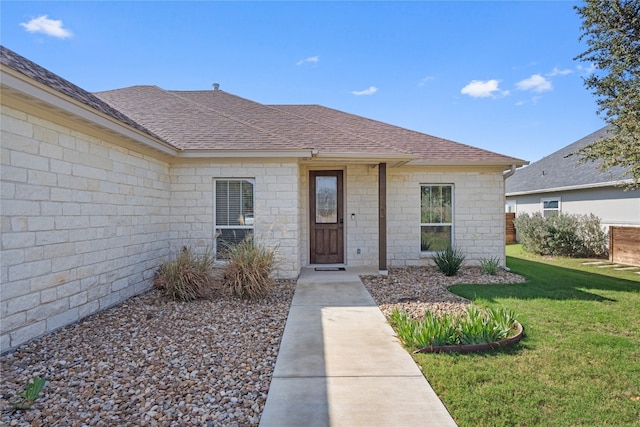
562,169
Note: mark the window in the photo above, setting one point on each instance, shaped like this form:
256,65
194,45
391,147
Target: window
436,217
550,207
234,218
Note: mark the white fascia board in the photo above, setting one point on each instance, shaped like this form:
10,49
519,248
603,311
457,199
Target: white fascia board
43,93
505,164
364,157
230,154
571,187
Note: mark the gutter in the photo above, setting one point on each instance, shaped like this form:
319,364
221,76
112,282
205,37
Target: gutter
571,187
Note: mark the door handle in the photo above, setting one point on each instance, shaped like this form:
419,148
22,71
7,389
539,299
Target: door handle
341,221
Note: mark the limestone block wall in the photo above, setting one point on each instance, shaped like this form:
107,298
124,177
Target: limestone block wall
275,205
85,223
361,192
478,214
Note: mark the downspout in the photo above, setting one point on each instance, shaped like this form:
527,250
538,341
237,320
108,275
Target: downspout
510,172
506,175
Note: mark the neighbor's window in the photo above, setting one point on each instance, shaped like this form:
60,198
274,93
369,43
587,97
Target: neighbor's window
436,217
233,211
550,207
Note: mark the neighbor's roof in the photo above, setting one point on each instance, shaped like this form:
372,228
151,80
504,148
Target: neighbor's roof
213,120
562,171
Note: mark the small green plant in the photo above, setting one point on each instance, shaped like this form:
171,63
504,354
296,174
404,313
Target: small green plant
474,327
248,273
188,276
490,265
30,393
449,261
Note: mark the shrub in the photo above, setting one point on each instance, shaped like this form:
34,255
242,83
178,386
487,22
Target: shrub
562,235
449,261
248,273
188,276
533,232
594,239
490,265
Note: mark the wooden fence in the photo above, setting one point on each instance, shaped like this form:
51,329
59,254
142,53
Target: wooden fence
510,228
624,245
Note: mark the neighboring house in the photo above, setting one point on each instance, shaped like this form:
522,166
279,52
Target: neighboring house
99,189
559,183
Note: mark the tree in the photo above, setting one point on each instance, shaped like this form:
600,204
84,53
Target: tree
612,32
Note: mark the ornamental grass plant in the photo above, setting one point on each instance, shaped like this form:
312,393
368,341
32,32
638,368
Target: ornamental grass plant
188,276
249,269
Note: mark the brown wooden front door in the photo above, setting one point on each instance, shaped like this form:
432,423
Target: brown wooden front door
327,220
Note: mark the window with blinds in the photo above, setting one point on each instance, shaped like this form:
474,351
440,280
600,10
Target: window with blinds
234,218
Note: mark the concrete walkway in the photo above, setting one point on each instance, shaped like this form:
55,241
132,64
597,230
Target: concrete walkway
340,364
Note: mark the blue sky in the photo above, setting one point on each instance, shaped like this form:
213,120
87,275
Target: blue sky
496,75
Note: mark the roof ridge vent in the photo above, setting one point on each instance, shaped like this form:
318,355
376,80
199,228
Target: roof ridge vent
216,86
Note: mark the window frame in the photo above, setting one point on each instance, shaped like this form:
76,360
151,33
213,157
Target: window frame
550,210
438,224
216,227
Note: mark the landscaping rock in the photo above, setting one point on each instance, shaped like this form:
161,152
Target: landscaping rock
151,361
417,289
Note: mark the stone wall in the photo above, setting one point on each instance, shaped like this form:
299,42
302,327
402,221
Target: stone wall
276,206
478,214
85,223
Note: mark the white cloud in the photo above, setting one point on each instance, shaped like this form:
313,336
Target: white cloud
585,71
558,72
483,89
425,80
50,27
535,83
309,60
369,91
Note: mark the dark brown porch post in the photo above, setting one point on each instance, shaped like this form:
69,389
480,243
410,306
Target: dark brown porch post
382,216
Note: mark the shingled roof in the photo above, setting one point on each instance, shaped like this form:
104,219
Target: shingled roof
427,149
215,120
562,170
36,72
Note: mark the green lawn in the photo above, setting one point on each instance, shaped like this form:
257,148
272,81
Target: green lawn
579,363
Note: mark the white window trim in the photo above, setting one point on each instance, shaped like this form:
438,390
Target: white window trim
217,227
439,224
550,199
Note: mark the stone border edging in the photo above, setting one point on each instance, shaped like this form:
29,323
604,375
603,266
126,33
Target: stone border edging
472,348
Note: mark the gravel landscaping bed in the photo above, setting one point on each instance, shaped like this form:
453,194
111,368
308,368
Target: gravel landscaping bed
417,289
151,361
154,362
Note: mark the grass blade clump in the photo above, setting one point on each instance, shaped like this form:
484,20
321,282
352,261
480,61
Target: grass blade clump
474,327
490,265
248,273
188,276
